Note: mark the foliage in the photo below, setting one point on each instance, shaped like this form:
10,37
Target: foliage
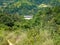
42,29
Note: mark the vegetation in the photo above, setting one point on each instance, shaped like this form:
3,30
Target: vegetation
42,29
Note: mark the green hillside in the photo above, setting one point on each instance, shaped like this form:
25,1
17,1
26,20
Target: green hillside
43,28
26,6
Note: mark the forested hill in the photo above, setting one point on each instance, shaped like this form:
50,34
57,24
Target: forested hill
42,29
24,6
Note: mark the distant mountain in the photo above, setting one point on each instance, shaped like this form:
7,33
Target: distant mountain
25,6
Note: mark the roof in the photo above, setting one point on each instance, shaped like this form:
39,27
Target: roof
28,17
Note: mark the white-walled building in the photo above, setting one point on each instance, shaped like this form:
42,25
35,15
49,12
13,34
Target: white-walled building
28,17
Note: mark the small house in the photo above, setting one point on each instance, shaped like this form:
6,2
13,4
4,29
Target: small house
28,17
